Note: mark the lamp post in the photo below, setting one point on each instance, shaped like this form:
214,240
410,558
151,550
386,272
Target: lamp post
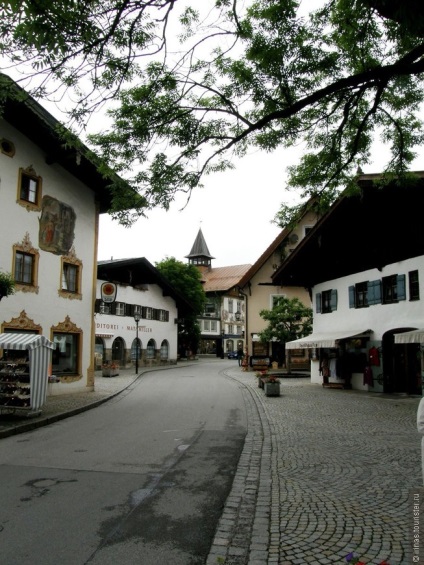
137,318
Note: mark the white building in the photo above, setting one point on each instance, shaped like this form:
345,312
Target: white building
363,264
50,199
141,291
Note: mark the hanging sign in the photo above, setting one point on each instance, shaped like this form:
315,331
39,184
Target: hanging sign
108,291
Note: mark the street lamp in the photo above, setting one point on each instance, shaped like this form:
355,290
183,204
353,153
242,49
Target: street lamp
137,317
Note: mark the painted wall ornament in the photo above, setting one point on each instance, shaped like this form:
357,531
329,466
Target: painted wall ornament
57,226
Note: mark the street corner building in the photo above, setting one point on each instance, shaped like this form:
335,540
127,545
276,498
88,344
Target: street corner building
363,266
51,195
140,326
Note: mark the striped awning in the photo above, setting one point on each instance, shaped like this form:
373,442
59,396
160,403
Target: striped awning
331,339
24,341
414,336
40,356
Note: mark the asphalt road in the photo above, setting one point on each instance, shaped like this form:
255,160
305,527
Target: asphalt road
140,479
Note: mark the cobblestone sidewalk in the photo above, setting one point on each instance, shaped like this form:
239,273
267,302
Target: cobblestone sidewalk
323,473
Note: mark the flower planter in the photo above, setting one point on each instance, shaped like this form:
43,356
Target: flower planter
110,372
272,389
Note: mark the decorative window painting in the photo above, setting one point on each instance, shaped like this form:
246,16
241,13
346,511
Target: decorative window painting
57,226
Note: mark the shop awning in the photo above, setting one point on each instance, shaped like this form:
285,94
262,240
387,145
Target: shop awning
40,358
24,341
414,336
330,339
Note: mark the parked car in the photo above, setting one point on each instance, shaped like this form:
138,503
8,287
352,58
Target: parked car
232,355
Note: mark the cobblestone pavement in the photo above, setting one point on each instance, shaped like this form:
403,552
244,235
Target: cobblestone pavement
323,473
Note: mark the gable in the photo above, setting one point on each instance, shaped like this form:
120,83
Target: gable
374,228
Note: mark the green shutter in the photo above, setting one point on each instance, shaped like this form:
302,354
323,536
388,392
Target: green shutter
352,297
333,300
401,287
374,292
318,301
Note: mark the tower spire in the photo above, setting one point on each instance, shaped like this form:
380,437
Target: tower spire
199,254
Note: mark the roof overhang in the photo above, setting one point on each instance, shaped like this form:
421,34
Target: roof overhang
375,227
140,271
30,118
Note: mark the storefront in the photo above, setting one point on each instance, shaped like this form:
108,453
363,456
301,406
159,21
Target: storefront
24,372
338,360
392,364
409,347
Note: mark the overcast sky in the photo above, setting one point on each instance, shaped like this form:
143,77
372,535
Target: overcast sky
234,211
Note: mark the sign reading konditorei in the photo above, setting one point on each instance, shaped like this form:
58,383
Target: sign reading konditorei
122,327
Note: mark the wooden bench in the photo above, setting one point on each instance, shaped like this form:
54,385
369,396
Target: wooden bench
260,364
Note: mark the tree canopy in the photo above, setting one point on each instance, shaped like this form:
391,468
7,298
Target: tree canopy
186,278
245,73
288,320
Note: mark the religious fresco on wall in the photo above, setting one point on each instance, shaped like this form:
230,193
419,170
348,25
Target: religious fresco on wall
57,226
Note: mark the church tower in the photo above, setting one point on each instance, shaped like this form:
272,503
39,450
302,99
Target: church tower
199,254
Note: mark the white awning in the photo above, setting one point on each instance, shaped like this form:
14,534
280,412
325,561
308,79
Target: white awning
24,341
330,339
40,356
414,336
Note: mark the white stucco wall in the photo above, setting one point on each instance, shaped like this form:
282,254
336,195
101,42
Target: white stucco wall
379,318
47,307
125,326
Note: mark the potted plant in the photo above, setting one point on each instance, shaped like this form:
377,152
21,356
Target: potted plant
7,285
272,386
110,369
261,376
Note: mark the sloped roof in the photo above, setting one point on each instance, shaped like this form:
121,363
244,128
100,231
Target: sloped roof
37,124
282,236
376,227
221,279
140,271
264,257
199,249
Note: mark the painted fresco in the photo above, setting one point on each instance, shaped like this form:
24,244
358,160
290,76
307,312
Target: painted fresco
57,226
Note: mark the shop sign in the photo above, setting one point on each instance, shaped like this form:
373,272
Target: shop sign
108,292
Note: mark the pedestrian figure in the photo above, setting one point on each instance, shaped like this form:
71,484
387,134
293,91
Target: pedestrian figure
240,356
420,427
